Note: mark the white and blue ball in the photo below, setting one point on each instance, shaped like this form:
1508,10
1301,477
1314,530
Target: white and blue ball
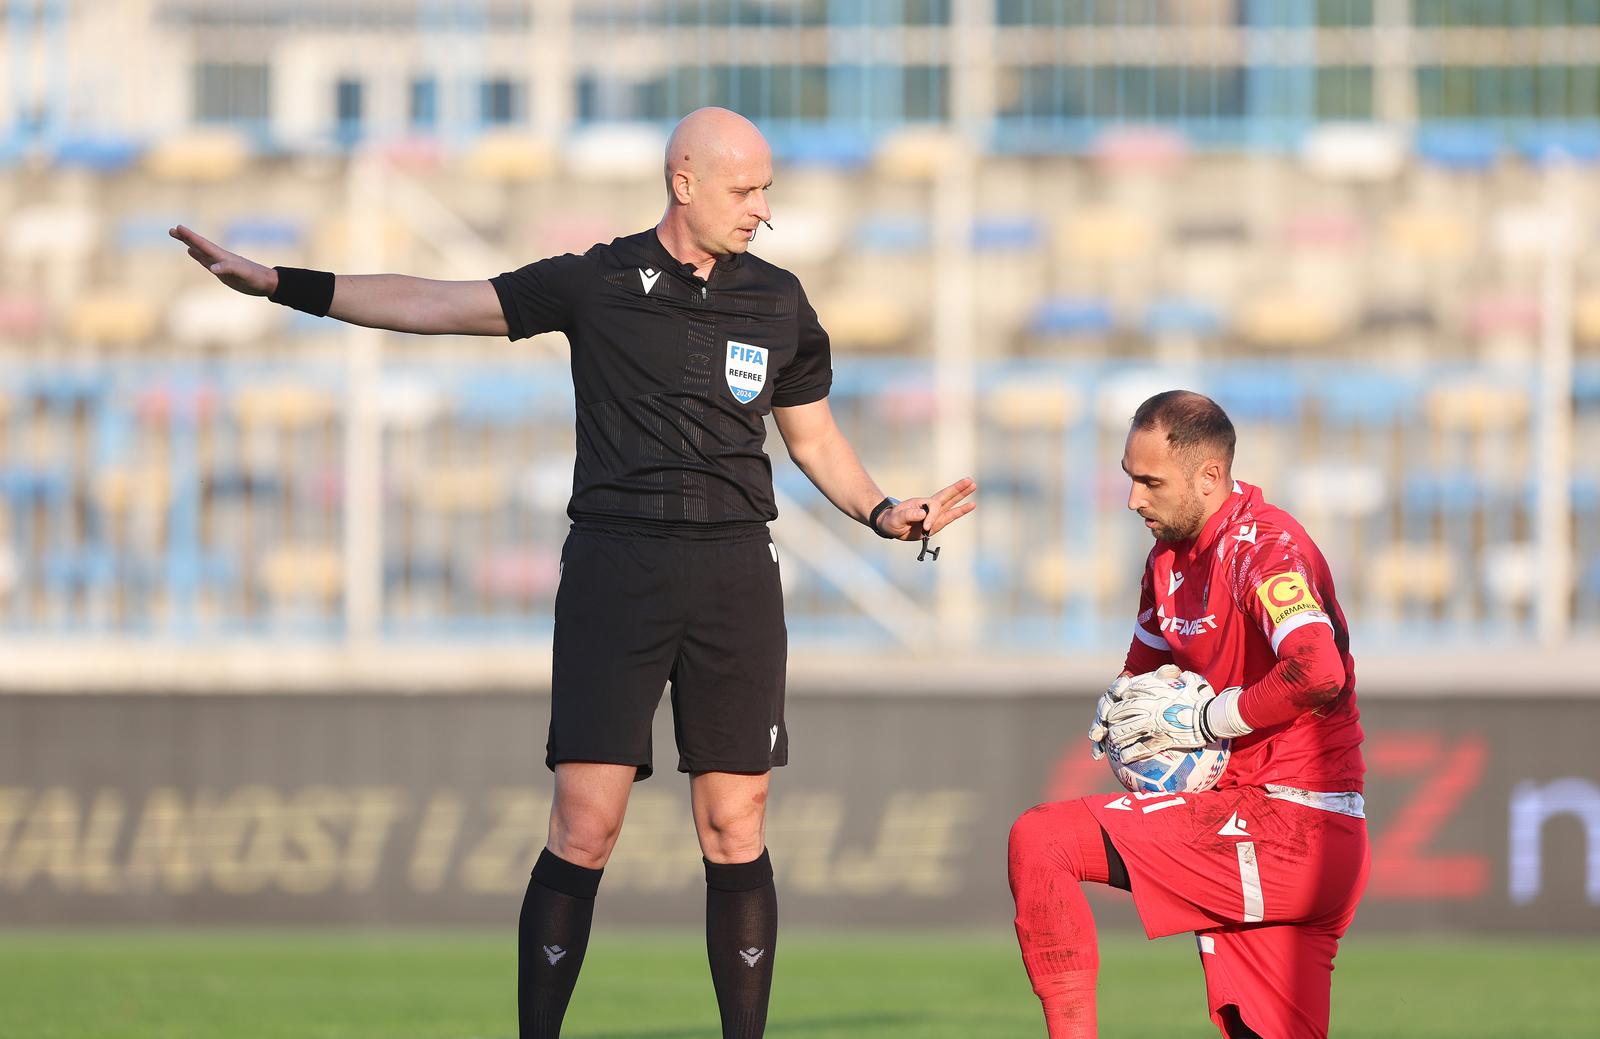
1173,771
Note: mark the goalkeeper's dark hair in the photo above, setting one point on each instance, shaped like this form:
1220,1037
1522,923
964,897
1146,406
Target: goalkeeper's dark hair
1197,428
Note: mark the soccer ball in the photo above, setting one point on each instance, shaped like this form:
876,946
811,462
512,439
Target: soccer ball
1173,771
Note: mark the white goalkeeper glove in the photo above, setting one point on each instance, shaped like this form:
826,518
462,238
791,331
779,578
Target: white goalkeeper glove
1162,710
1108,700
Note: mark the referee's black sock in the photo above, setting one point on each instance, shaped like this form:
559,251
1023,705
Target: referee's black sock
552,934
741,939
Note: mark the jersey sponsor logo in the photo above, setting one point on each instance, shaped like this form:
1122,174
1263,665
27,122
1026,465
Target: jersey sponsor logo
1285,595
1185,627
648,277
746,371
1174,582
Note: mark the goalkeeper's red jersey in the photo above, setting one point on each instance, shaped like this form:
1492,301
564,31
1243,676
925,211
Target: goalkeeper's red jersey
1221,604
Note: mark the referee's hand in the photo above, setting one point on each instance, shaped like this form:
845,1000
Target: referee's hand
233,270
908,522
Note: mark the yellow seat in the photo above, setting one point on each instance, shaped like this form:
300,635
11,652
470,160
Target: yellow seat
206,156
112,318
283,404
865,320
918,153
1477,406
124,488
1288,318
1106,234
300,571
511,156
1430,234
1586,318
1021,406
463,488
1412,573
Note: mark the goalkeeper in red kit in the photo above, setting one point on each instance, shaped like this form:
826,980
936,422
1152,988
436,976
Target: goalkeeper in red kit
1267,867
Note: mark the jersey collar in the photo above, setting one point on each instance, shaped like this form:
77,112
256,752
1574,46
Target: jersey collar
1243,494
670,262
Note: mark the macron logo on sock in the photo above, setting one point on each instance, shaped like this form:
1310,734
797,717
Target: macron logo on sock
751,955
553,953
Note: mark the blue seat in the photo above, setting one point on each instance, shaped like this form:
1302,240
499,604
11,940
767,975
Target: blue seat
1547,145
811,146
1455,492
1006,234
1457,147
146,231
1071,316
263,230
1258,394
890,233
100,154
1179,316
495,400
1363,399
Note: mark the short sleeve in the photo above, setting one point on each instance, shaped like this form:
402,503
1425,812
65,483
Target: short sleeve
808,377
541,297
1277,587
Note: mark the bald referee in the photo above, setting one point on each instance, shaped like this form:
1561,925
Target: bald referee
681,342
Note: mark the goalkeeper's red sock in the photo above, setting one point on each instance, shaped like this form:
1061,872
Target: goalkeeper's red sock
1053,848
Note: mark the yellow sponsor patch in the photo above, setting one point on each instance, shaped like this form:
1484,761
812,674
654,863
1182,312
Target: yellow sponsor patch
1285,595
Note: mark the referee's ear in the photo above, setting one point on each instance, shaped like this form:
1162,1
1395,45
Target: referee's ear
682,187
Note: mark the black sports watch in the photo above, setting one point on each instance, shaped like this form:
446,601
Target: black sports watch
877,511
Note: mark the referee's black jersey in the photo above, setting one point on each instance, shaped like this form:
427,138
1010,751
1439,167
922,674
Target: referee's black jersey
672,375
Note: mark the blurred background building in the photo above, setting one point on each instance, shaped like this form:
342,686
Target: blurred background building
1367,227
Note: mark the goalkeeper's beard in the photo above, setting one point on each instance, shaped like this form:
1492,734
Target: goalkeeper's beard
1191,516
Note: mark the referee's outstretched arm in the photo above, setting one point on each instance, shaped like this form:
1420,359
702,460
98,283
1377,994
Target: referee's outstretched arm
820,449
397,302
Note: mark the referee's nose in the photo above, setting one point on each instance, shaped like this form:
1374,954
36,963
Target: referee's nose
761,211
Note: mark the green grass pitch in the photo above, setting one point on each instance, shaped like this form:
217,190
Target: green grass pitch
830,985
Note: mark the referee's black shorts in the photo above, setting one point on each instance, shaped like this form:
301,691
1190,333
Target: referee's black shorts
639,609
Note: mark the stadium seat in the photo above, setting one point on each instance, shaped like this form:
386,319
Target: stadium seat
1134,148
1545,146
1458,148
1586,318
1288,318
46,232
284,405
1430,234
893,233
462,488
616,152
211,314
1473,405
1411,574
1511,574
1032,405
1106,235
1323,229
1006,234
299,572
859,318
104,154
1072,316
918,153
112,318
1355,153
511,156
1343,490
263,231
21,317
202,156
1504,314
1182,317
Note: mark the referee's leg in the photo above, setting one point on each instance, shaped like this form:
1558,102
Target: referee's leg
553,931
730,816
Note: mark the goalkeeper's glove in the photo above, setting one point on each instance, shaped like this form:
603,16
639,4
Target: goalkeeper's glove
1159,711
1108,699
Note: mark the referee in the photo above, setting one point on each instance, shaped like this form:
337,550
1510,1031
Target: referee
681,343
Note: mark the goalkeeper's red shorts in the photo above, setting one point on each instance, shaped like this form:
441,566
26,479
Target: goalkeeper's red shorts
1267,885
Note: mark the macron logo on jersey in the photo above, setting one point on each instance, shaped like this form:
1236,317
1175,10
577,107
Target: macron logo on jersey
1174,582
648,276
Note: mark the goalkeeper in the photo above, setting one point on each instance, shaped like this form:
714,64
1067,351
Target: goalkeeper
1266,868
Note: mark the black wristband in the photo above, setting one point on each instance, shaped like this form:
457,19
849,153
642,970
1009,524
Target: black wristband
878,510
1205,729
308,291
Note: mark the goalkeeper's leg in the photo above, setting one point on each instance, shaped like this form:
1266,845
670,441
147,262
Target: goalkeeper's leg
1053,849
